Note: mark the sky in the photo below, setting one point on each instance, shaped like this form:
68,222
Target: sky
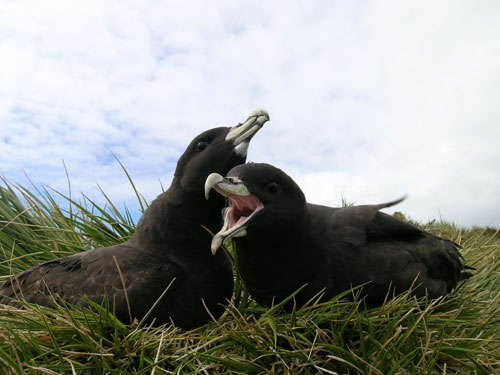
369,100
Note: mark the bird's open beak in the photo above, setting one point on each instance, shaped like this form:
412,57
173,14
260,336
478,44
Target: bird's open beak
241,206
242,133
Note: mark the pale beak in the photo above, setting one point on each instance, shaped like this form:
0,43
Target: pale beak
241,207
246,130
225,186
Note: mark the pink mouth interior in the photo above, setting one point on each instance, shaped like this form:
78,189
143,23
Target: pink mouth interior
239,208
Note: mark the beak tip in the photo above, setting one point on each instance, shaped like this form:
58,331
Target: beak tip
212,180
216,243
260,112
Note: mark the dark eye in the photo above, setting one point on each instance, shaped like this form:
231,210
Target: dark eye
273,187
201,145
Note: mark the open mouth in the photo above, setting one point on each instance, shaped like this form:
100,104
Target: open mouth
241,207
239,210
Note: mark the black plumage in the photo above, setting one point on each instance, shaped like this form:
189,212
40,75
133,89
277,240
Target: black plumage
169,248
284,243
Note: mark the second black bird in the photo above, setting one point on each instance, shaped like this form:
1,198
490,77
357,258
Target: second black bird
284,243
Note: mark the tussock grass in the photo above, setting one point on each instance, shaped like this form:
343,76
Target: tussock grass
459,335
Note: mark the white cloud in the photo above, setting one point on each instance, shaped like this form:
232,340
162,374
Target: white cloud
372,99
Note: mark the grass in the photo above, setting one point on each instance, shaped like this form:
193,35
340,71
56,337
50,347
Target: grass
460,335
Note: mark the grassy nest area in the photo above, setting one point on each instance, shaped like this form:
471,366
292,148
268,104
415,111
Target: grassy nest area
457,335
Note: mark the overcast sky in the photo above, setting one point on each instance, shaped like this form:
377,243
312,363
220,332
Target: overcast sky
369,100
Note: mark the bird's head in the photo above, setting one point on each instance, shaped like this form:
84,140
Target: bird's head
217,150
262,202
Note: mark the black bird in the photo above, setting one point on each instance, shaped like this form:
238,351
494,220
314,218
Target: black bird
284,243
169,248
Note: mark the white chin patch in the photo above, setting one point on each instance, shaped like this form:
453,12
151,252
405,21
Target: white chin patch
242,149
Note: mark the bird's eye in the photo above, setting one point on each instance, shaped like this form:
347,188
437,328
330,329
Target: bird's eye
273,187
201,145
